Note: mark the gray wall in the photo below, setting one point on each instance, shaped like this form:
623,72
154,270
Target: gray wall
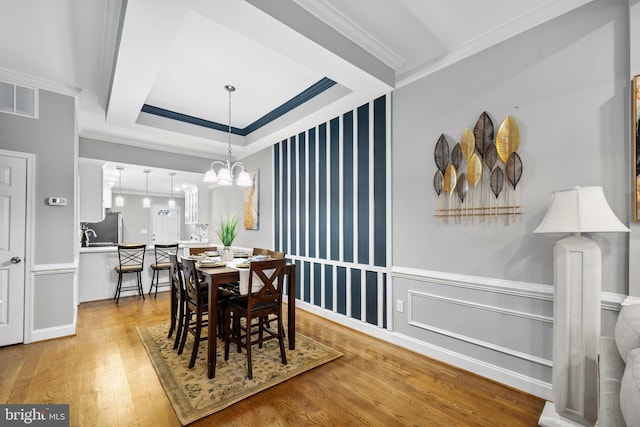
52,139
480,295
566,84
111,151
224,200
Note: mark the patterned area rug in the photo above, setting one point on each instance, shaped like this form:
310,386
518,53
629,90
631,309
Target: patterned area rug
194,396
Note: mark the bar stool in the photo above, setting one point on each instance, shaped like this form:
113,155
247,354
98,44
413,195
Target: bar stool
131,260
162,263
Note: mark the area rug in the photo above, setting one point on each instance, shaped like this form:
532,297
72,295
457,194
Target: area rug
194,396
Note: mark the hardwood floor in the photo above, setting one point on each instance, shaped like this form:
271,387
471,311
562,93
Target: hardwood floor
105,375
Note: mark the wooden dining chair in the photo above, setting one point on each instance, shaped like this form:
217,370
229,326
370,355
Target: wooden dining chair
178,300
276,254
260,251
255,307
130,260
197,308
161,252
198,251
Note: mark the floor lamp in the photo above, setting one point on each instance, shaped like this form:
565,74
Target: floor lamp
576,308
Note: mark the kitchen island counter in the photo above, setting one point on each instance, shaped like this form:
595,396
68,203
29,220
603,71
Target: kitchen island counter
97,277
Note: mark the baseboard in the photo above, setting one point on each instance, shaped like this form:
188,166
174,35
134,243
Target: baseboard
54,332
479,367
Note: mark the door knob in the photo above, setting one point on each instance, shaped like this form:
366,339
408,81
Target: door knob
15,260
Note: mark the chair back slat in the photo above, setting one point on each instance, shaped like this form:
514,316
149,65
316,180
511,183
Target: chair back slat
191,280
175,275
131,255
162,252
271,274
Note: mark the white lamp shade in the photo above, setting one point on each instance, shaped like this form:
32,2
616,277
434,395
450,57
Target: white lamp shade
580,210
119,201
224,177
210,176
172,204
146,203
244,180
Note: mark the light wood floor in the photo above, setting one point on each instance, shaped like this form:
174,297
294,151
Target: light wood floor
105,375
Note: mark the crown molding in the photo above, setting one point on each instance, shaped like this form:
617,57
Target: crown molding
328,14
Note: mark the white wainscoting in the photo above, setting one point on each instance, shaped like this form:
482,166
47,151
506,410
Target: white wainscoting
43,276
505,333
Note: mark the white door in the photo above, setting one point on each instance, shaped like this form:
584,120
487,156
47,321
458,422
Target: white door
13,196
165,224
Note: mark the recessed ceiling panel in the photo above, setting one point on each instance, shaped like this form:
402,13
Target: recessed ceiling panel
205,56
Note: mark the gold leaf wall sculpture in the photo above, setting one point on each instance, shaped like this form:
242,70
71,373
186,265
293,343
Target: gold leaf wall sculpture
479,162
507,139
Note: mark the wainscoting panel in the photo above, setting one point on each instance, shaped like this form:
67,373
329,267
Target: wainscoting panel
53,311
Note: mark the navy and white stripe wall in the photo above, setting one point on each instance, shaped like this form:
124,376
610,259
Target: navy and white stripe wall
331,197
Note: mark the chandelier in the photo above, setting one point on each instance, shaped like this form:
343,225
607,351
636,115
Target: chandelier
225,175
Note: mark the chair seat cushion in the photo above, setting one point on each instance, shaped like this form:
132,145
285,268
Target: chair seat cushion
630,389
627,330
241,303
129,268
161,266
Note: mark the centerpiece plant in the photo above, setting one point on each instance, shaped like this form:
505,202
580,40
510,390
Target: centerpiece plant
227,231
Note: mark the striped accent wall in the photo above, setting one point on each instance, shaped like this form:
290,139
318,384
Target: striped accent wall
330,211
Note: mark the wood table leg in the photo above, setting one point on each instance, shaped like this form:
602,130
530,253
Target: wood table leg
291,306
212,337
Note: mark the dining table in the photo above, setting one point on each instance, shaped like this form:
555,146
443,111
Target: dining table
216,276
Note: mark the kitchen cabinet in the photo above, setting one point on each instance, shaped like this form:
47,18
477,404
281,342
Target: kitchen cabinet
90,185
196,206
107,195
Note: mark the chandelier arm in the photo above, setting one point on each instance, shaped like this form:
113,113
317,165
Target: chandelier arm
218,162
240,165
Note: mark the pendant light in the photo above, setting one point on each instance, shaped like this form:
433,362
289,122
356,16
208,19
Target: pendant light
225,176
119,199
146,202
172,202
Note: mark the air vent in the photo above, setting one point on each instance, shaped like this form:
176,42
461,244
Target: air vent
19,100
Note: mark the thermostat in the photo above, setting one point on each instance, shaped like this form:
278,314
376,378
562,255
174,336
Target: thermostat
57,201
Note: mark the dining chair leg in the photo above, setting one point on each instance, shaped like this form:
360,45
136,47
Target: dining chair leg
196,340
249,367
181,326
118,286
155,295
174,309
238,334
153,279
140,289
283,354
228,334
185,331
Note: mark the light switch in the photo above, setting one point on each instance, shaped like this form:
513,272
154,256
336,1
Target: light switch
57,201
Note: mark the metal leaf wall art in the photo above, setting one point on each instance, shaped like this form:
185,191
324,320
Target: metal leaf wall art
486,162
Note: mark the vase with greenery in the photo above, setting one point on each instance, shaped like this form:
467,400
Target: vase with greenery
227,229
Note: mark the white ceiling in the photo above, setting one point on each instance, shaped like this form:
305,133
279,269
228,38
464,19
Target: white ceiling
179,54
